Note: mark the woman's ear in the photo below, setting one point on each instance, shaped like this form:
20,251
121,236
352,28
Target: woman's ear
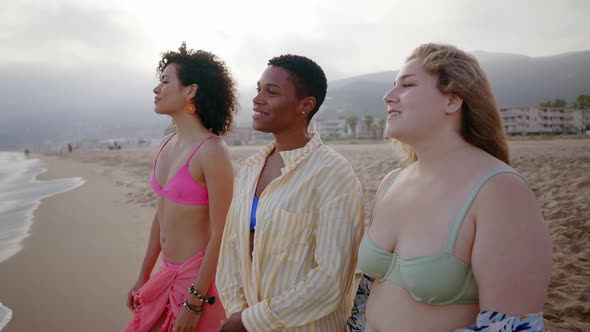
308,104
454,104
191,91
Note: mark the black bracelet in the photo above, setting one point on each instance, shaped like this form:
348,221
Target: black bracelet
208,300
193,309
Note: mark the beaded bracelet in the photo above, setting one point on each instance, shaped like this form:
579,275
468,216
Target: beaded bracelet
208,300
193,309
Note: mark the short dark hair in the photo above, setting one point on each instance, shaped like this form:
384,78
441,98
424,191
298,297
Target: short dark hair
215,100
308,77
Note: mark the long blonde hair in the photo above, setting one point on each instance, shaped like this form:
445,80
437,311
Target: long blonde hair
459,74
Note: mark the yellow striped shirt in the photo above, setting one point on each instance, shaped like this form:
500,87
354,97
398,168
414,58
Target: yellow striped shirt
309,223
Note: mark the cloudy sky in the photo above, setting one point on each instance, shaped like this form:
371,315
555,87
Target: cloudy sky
99,57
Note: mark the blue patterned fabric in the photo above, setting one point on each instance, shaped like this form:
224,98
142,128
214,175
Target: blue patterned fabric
493,321
487,321
356,322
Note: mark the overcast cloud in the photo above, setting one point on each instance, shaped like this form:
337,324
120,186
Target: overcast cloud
96,59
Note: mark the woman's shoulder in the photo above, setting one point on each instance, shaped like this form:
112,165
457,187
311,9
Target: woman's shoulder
506,181
212,146
389,176
329,154
330,161
493,177
505,199
166,139
213,141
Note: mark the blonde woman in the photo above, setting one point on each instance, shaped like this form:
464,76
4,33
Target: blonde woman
457,240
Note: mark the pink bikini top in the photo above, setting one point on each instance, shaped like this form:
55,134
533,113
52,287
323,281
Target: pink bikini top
182,188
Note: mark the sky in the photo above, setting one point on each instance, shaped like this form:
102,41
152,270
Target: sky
98,58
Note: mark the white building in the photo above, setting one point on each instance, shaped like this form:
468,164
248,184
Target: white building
533,119
239,136
362,130
329,128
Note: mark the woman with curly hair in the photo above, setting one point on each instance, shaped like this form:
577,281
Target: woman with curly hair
193,177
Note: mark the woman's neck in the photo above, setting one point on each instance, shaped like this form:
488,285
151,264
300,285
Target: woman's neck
291,139
187,125
439,152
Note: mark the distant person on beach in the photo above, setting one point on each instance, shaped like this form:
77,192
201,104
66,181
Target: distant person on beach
193,177
457,241
70,148
27,152
289,249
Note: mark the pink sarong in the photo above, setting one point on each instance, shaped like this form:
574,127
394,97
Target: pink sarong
165,292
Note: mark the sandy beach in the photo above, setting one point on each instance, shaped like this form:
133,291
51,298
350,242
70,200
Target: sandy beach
81,257
86,245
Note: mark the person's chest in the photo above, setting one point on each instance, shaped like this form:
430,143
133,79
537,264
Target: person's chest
270,171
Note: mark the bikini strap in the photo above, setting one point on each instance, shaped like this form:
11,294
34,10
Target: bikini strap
388,184
198,146
162,148
449,245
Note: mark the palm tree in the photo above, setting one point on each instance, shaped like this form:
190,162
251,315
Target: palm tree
368,121
351,121
381,130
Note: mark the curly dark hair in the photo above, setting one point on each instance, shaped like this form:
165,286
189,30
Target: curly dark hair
308,77
215,100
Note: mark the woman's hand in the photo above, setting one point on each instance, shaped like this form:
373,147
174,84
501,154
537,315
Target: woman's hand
233,323
132,302
185,321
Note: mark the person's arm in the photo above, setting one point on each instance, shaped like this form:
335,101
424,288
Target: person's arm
338,231
228,278
149,260
153,249
219,176
511,256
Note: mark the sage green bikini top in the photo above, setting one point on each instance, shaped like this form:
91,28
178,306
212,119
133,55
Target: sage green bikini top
437,279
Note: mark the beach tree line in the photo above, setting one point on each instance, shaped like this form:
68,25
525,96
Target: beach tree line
374,128
582,102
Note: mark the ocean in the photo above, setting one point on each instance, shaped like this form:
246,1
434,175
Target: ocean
20,194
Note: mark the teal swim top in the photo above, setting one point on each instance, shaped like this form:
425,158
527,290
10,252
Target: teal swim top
437,279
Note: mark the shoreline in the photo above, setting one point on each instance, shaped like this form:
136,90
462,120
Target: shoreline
21,193
70,274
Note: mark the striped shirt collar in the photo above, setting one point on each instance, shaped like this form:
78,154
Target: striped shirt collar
291,157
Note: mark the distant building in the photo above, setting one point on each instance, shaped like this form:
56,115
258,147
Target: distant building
238,136
362,130
329,128
534,119
260,138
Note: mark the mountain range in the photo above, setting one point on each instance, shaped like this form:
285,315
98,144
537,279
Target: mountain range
53,105
515,79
